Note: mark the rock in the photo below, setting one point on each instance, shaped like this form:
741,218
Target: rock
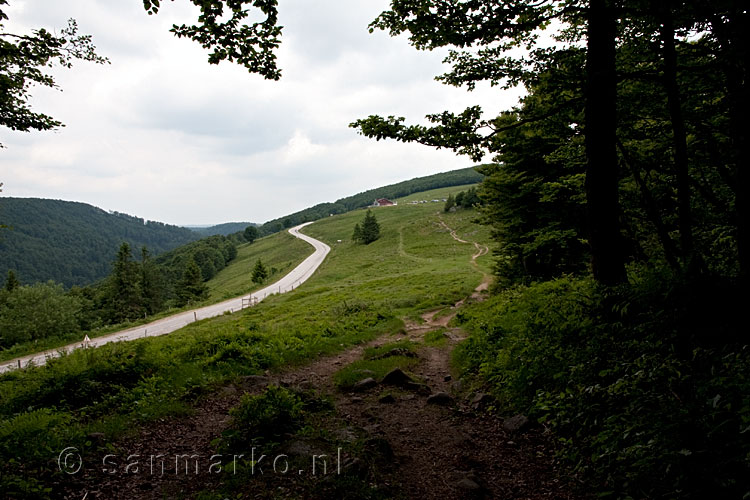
418,388
396,377
228,390
447,378
481,400
253,380
364,385
301,448
380,447
347,434
372,428
467,484
306,385
441,399
397,351
354,467
387,399
515,423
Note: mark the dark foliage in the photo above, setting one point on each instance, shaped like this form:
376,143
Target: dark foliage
74,243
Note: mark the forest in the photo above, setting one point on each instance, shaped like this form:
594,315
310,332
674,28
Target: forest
73,243
137,286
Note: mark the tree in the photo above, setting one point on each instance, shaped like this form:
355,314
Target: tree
449,203
250,234
124,293
484,32
221,28
23,59
151,283
259,272
37,311
357,234
191,287
11,282
370,228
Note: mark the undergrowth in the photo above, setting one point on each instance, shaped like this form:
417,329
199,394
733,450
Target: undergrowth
647,386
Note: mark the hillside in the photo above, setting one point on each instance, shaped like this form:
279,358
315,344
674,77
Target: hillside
460,177
224,229
74,243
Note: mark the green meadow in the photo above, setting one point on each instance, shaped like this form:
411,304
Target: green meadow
359,293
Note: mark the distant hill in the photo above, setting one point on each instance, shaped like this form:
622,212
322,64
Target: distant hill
74,243
446,179
221,229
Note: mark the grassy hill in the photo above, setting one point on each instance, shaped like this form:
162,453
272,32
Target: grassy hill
360,291
73,243
460,177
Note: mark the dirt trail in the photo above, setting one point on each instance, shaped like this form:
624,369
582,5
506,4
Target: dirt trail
450,450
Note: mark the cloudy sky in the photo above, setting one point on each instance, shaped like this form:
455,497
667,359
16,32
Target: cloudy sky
161,134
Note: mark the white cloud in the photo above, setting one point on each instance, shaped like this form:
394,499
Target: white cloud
162,134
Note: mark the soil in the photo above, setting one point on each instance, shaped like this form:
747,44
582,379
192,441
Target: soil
437,440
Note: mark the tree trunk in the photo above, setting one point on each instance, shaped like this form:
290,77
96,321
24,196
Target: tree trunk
731,30
679,137
607,258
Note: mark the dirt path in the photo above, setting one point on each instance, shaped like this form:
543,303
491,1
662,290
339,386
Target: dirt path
430,446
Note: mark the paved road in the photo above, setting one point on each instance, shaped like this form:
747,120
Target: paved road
297,276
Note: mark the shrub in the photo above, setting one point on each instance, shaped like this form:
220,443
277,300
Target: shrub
263,419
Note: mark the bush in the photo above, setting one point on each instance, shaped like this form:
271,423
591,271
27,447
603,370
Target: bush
647,386
263,419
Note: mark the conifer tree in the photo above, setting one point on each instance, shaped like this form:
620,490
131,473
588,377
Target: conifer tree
449,203
370,228
151,283
191,287
125,297
259,272
11,282
357,235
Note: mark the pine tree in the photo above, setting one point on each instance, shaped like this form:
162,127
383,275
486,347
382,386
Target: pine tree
370,228
449,203
357,235
125,296
259,272
11,282
151,283
191,287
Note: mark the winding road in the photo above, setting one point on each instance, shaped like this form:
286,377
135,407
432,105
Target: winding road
289,282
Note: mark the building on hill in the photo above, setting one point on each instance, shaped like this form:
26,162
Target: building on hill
382,202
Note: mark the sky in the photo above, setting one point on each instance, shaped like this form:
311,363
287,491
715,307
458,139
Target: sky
161,134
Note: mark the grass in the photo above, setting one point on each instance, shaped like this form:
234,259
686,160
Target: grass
358,293
280,253
436,194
